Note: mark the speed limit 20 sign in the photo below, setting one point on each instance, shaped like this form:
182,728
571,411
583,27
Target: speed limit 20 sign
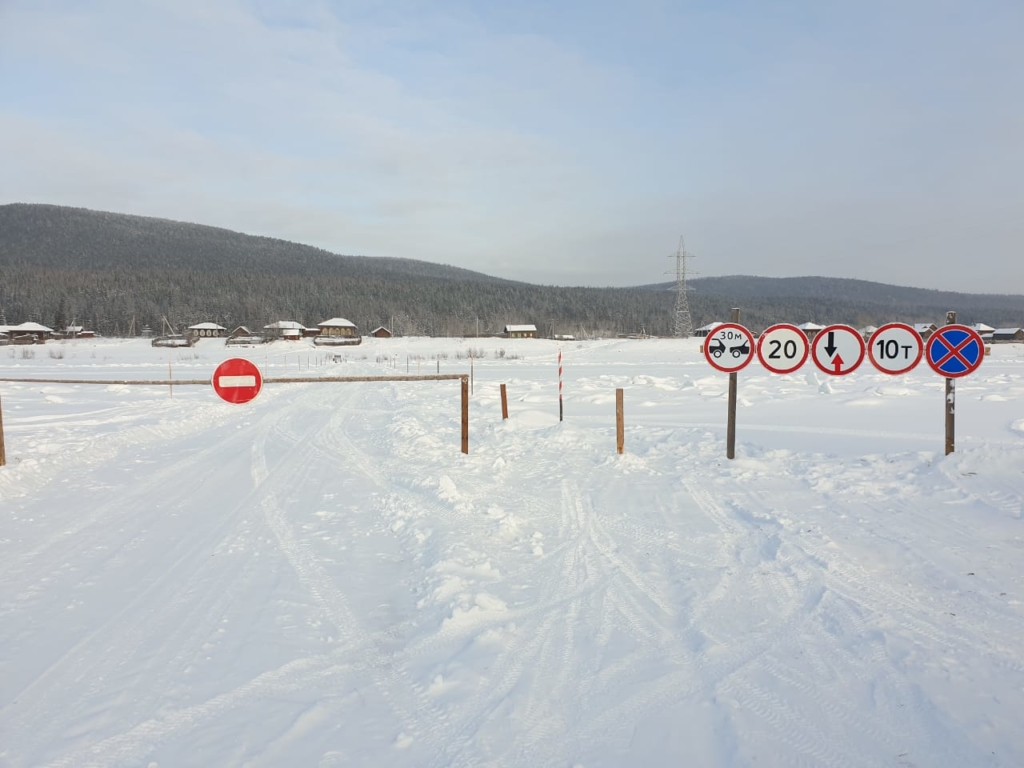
782,348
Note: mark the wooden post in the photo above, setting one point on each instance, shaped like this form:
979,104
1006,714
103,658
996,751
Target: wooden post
465,415
620,427
504,403
3,453
730,432
950,401
170,387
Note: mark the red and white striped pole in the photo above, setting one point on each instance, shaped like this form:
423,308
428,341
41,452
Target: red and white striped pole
559,383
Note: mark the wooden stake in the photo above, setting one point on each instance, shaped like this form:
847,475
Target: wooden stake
465,415
620,427
730,432
950,401
504,403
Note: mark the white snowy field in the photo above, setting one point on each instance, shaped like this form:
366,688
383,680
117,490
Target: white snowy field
322,578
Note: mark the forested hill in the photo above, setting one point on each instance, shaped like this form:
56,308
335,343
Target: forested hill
112,272
743,287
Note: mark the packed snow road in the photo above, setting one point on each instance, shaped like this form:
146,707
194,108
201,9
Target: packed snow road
321,578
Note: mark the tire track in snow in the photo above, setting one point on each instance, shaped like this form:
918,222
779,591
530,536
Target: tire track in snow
121,636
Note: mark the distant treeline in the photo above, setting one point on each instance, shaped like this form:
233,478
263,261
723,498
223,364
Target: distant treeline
115,274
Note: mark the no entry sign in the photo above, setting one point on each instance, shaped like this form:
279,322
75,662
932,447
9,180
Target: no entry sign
895,348
838,349
955,350
237,380
729,347
782,348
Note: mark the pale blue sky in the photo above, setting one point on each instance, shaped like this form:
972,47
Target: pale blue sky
557,143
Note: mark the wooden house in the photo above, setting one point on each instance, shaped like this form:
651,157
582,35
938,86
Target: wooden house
1003,335
208,330
380,332
242,337
337,332
284,329
810,329
76,332
925,329
28,333
519,332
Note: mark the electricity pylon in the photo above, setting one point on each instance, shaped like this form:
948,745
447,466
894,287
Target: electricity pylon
683,324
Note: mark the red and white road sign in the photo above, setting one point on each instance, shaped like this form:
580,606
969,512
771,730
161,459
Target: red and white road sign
782,348
954,351
895,348
729,347
838,350
237,380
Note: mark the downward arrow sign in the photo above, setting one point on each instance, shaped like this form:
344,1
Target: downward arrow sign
837,363
830,347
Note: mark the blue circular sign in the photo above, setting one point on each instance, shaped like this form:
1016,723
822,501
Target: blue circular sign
954,350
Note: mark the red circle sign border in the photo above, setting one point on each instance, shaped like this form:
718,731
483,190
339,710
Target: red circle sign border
750,337
249,368
975,336
787,326
909,368
844,328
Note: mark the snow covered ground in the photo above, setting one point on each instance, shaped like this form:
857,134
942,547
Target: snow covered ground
321,578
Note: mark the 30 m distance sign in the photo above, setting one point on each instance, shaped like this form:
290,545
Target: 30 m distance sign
729,347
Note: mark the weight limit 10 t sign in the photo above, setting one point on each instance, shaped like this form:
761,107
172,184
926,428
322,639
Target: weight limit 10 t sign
895,348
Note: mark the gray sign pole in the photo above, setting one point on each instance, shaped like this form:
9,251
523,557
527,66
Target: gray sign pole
950,401
730,432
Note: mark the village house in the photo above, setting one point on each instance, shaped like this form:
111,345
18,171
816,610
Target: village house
810,329
1003,335
289,330
26,333
208,330
77,332
519,332
926,329
380,332
337,332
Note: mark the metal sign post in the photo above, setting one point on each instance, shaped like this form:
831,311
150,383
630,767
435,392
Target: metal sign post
950,401
953,351
729,348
